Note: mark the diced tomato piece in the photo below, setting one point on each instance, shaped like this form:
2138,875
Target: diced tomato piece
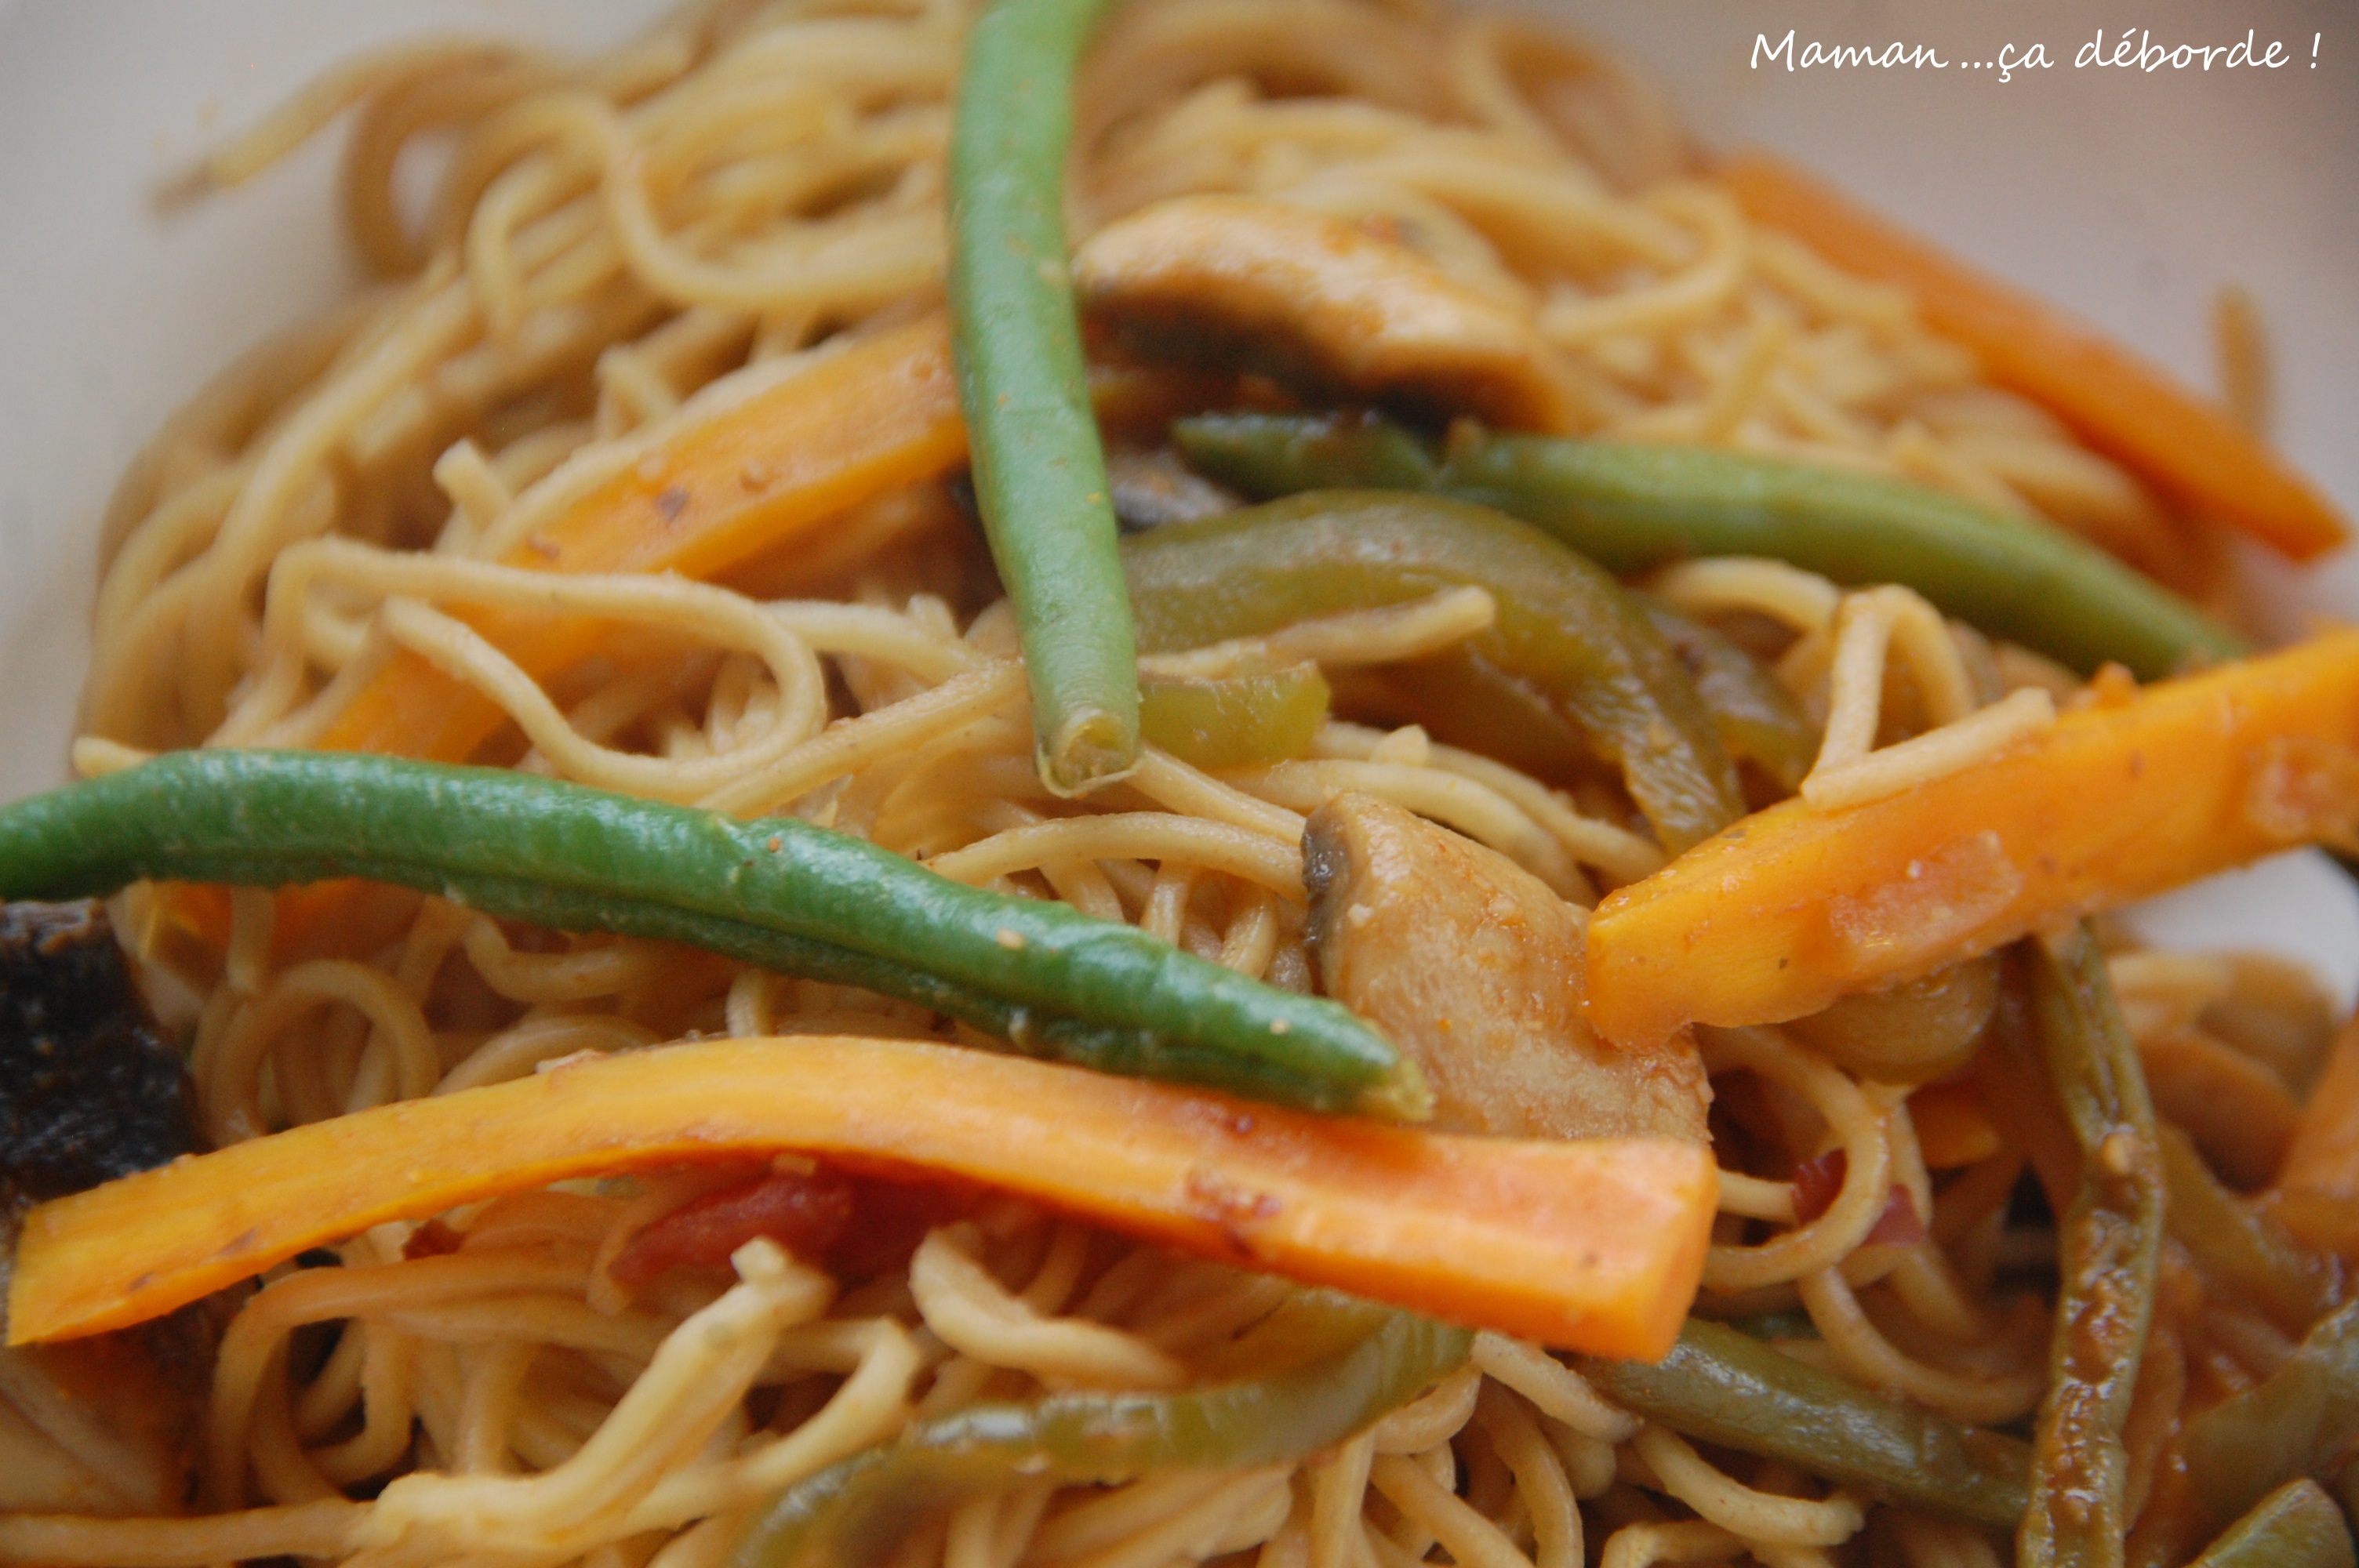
803,1213
860,1226
1816,1182
431,1240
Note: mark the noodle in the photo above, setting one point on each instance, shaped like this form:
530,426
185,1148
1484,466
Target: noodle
627,246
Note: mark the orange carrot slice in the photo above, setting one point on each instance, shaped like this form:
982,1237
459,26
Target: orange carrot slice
1595,1245
2116,401
1793,907
780,462
740,482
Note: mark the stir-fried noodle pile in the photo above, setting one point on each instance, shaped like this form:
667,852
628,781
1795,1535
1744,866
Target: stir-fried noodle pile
622,245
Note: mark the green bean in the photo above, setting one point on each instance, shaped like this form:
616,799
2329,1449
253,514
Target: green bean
2297,1526
1758,719
2109,1248
1632,507
1049,978
1564,625
1039,470
2244,1250
1270,455
2302,1420
1319,1368
1724,1387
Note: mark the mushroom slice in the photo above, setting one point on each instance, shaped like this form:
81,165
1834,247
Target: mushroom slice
1303,295
1473,968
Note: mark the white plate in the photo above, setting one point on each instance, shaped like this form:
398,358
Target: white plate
2129,197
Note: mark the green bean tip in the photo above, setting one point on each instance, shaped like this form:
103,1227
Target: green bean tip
1092,749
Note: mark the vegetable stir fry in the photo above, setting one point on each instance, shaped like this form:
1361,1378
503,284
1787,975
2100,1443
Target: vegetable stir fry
1021,783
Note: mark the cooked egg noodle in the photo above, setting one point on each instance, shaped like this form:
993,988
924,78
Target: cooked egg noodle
735,193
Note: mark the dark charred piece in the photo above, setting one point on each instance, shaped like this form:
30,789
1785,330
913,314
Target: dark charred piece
89,1090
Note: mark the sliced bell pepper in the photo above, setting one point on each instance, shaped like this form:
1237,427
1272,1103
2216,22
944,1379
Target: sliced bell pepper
1319,1368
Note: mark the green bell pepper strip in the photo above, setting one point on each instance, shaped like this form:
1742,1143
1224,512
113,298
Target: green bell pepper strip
1632,507
1564,625
1326,1366
1463,700
1237,722
1722,1386
2303,1420
2243,1250
1039,470
2297,1526
777,891
2109,1249
1758,719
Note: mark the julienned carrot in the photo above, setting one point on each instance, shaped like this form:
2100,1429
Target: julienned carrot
736,483
2116,400
724,487
1793,907
2318,1186
1594,1244
745,479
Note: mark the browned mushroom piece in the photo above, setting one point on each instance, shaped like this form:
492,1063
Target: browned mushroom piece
1473,966
1308,298
88,1090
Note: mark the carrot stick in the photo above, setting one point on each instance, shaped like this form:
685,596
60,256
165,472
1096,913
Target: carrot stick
1590,1245
735,483
780,462
2318,1187
1794,906
2116,401
778,466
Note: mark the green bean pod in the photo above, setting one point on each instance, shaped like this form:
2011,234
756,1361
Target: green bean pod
1047,977
2302,1420
1125,1051
1564,625
1319,1368
1631,507
1722,1386
1039,470
2297,1526
2109,1249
